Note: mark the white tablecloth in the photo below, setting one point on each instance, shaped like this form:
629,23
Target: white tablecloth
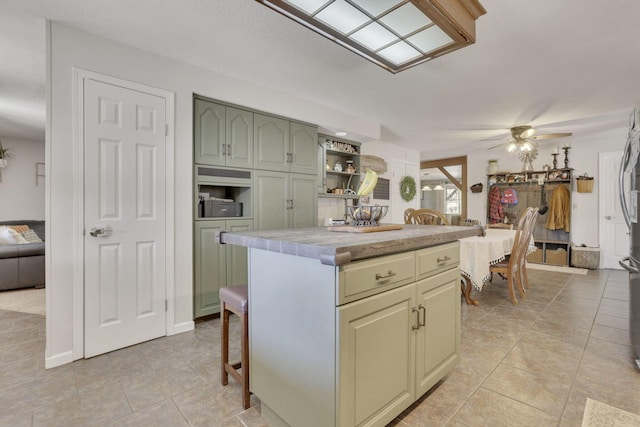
477,253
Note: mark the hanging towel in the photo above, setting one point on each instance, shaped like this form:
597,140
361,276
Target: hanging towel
559,209
496,214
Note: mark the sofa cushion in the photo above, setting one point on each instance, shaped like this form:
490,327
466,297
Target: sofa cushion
8,251
8,236
36,225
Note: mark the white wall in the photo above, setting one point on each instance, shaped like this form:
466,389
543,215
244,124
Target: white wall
20,197
71,48
408,162
583,158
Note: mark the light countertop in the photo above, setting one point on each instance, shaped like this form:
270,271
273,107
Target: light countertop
338,248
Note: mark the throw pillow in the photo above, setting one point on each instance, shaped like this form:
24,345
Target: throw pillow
7,236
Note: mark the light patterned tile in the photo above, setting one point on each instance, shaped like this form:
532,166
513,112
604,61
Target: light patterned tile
487,408
211,404
606,333
163,414
545,392
526,352
150,388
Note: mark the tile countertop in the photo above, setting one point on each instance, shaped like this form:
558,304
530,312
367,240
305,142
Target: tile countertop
338,248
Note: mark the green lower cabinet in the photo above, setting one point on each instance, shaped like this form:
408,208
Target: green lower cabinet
217,265
395,346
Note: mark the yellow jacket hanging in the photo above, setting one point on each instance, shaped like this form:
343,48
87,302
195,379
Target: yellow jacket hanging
560,209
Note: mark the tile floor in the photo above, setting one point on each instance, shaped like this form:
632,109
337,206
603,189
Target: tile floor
533,364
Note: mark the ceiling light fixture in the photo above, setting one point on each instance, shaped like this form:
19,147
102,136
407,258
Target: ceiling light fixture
340,133
438,187
426,188
395,34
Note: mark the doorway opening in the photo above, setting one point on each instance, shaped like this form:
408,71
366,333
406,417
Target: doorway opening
443,183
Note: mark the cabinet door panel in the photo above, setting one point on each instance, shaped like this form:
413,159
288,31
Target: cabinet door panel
271,143
209,133
239,138
376,352
210,268
304,201
237,255
303,148
438,341
270,194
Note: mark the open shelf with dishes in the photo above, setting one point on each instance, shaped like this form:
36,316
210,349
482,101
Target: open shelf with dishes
340,164
537,177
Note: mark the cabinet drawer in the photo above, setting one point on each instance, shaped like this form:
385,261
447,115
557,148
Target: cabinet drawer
368,277
436,259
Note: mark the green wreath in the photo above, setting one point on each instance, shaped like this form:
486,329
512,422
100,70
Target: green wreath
408,188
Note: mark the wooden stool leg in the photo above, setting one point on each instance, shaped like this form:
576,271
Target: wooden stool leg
244,361
224,348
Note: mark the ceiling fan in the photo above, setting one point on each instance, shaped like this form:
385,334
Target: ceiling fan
523,138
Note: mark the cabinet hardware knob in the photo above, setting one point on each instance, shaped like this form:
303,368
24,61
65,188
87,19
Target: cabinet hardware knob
390,273
415,327
444,259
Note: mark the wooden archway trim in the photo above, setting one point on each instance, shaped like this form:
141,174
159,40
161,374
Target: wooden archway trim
440,164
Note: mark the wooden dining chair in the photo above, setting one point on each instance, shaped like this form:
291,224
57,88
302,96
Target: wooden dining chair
529,227
427,217
407,212
512,267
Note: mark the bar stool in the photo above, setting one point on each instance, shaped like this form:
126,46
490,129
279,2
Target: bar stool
235,299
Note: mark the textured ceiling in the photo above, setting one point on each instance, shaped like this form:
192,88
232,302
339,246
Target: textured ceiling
561,66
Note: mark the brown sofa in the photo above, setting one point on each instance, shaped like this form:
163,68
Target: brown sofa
22,265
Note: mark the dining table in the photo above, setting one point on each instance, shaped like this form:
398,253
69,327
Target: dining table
478,253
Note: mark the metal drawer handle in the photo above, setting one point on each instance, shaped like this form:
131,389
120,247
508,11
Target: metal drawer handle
424,315
445,259
415,327
390,273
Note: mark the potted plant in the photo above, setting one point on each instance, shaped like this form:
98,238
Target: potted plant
5,154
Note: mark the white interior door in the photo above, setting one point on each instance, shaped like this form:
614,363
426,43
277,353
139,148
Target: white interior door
124,217
614,234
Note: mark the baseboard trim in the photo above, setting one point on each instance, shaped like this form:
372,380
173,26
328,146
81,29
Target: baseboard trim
58,359
183,327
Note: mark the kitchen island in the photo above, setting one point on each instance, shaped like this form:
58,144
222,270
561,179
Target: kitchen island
349,329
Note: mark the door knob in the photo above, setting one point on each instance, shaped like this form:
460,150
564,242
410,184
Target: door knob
609,217
99,232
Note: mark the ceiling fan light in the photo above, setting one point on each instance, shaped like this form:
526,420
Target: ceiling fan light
511,147
526,146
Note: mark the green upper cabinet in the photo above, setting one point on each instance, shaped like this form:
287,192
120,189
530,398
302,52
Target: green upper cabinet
284,200
303,158
239,138
209,133
223,135
271,143
284,146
